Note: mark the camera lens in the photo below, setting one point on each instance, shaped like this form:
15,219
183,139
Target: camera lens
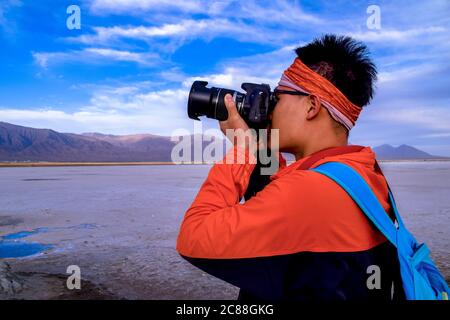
209,102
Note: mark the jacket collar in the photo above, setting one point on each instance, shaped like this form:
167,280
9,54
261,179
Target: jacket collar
326,155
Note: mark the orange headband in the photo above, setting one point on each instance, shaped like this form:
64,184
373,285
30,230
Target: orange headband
299,77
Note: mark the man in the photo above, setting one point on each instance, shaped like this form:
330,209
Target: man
302,237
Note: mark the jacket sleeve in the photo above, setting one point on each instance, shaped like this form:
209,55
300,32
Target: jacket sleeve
217,226
220,235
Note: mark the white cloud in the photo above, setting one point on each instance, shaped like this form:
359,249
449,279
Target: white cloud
133,99
407,73
287,12
95,55
138,6
115,110
431,117
260,68
268,22
389,35
233,77
437,135
141,58
105,34
83,121
279,11
183,31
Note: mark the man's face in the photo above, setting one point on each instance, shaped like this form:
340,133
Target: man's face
289,116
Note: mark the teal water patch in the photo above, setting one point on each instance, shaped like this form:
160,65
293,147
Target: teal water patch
24,234
18,249
12,247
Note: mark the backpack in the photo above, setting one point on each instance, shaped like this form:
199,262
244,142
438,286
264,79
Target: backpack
420,277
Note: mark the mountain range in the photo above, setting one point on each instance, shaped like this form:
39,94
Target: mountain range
402,152
18,143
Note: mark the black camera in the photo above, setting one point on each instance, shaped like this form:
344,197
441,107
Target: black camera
254,106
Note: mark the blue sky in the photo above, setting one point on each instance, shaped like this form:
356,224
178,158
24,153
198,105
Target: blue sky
130,66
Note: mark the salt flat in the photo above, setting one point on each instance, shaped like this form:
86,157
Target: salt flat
119,225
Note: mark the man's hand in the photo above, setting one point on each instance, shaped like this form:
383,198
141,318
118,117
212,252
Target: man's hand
236,129
234,120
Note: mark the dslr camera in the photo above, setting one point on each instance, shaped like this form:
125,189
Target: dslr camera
254,106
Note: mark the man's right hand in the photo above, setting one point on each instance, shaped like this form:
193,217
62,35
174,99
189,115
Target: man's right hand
244,137
234,120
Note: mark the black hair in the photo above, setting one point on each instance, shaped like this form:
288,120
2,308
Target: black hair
344,62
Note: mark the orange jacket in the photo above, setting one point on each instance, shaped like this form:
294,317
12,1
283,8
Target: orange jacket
298,211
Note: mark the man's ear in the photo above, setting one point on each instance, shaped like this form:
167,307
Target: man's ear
313,107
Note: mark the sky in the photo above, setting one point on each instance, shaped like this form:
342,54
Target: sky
129,67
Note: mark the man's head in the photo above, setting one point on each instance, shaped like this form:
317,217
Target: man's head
310,119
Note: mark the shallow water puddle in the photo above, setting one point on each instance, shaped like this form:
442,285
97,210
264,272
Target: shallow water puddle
23,234
11,247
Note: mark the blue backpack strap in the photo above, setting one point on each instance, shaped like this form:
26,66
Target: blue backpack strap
361,193
394,208
421,279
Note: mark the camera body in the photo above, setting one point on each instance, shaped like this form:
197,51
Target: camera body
255,105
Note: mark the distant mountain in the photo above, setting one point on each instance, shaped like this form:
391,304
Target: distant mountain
18,143
403,152
147,143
